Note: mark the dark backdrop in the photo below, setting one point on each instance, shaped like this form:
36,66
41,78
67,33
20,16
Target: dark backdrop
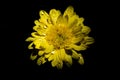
18,19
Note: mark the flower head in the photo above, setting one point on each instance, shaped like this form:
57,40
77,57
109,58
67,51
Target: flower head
58,38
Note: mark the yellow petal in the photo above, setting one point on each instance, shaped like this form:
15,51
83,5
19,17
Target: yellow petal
54,63
80,21
37,43
30,39
30,46
62,54
40,42
40,53
83,47
41,30
49,48
72,21
81,60
68,60
37,28
59,65
72,17
54,14
33,57
44,43
85,29
62,20
41,60
44,18
47,55
77,39
69,11
88,40
35,35
43,14
78,48
51,57
75,55
77,24
37,23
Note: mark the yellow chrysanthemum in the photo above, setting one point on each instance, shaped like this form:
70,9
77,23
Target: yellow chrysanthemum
58,38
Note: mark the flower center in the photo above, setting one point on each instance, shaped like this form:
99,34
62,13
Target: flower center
59,36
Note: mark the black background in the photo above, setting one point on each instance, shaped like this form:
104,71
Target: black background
18,19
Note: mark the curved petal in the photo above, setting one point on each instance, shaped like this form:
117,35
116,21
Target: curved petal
81,60
75,55
30,39
62,21
51,57
85,29
79,48
80,21
54,14
62,54
77,25
59,65
68,60
30,46
88,40
72,21
69,11
54,63
37,43
57,61
45,18
41,60
37,23
39,26
40,53
35,35
33,57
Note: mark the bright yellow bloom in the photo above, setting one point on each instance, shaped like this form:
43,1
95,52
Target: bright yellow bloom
58,38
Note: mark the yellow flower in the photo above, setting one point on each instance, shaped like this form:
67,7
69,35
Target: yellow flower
58,38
